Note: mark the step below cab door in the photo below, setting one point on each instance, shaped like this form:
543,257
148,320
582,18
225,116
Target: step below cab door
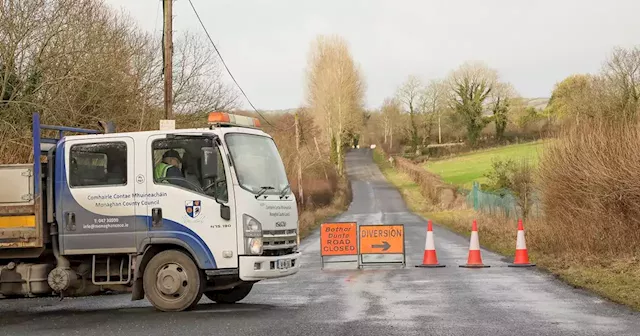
96,196
189,203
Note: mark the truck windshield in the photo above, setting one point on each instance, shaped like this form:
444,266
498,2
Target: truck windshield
257,163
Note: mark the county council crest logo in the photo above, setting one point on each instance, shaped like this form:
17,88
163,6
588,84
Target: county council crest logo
192,208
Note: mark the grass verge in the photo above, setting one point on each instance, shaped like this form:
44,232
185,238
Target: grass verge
615,279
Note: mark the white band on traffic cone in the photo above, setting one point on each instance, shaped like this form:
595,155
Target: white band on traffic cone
520,243
430,245
475,243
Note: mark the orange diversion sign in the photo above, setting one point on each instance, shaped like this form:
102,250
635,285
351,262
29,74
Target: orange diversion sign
382,239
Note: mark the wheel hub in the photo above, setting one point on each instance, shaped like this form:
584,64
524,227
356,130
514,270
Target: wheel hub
172,280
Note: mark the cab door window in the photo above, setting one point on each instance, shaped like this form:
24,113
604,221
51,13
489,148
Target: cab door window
98,164
178,162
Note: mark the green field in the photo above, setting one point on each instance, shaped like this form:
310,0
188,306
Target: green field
462,170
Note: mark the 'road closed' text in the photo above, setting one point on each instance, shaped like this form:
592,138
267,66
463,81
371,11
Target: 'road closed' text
338,239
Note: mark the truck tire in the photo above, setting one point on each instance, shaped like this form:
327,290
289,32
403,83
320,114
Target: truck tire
232,295
172,281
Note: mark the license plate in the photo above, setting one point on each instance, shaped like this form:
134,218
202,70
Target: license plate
283,264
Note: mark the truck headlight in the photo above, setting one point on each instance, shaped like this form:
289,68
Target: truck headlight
252,235
252,228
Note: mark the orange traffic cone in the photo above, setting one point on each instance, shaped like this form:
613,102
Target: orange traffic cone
522,256
430,259
475,258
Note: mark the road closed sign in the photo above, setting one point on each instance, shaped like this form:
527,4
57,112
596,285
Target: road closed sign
338,239
381,239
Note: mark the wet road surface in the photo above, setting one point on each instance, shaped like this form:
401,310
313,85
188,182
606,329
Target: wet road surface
344,300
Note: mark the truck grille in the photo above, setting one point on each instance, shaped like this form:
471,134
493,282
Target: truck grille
288,232
279,242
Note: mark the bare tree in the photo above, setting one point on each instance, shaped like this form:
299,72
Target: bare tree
434,100
335,92
78,61
318,89
198,84
408,94
622,70
391,111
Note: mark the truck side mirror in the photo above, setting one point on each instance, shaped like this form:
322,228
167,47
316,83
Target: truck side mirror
209,163
107,127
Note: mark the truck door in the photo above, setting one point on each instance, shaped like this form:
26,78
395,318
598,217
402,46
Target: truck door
190,215
97,196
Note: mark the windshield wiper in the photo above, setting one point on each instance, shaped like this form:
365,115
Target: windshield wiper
284,190
263,190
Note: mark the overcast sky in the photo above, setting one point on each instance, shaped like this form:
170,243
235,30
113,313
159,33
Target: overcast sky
533,44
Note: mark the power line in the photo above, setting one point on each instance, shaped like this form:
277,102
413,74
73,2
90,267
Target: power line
225,65
155,25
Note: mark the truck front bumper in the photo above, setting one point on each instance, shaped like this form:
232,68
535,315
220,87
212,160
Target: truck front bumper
253,268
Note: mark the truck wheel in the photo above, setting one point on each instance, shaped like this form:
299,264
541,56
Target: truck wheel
172,281
232,295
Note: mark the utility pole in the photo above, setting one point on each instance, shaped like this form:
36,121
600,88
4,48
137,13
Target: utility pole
168,58
439,129
300,188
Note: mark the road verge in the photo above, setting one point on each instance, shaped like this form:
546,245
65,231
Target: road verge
616,280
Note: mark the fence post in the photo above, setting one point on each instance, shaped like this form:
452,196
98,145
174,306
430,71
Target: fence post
475,195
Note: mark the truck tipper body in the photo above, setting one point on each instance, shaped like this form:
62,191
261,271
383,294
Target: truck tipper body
169,215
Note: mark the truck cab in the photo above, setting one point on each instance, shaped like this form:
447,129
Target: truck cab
172,214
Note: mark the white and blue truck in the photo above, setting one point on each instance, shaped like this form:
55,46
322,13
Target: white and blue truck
168,214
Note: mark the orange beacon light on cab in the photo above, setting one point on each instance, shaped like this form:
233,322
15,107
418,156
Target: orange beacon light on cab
227,119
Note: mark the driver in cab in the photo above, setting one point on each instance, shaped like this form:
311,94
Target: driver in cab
169,170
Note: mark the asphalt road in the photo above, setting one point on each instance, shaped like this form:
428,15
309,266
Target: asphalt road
344,300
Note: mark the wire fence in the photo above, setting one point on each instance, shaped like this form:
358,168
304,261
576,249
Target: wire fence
502,203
